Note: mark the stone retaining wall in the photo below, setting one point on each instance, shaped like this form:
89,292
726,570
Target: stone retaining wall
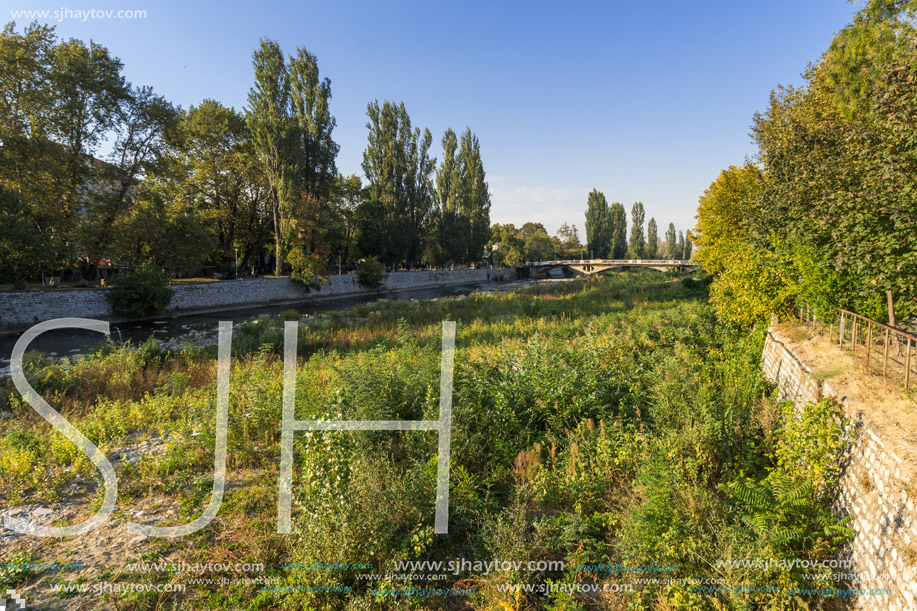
871,488
21,309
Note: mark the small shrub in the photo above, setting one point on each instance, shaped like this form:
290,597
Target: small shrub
144,292
15,570
371,273
290,315
227,271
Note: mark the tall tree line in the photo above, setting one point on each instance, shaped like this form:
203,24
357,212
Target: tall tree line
607,233
210,186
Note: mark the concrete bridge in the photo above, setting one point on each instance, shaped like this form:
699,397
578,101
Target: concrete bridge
594,266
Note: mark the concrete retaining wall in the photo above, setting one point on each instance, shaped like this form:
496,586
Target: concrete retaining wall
871,488
22,309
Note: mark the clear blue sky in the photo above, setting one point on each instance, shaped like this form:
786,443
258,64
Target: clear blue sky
641,100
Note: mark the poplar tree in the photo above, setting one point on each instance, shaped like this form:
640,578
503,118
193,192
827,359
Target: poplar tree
618,218
670,241
452,229
313,169
310,97
637,240
652,239
475,204
598,235
399,168
271,130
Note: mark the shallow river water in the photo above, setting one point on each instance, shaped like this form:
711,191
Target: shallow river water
172,328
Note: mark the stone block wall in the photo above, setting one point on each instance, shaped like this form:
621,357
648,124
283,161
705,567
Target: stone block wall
883,554
22,309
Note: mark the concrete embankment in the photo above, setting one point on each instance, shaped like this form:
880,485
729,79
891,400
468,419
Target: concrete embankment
22,309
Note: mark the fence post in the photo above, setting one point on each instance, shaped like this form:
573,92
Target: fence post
885,361
907,366
868,344
853,340
840,333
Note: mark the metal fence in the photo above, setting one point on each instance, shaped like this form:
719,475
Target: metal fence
880,346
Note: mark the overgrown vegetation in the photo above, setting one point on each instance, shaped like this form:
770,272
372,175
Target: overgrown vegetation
595,422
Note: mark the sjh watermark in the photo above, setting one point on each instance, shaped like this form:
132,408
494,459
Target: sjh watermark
66,14
443,426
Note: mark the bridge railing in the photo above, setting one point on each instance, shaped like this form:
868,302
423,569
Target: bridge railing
869,340
672,262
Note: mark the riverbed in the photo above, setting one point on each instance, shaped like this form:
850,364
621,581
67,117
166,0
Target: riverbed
174,330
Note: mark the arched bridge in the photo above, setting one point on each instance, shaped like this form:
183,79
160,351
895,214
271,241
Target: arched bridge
594,266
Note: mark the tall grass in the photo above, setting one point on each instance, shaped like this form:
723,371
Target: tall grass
598,421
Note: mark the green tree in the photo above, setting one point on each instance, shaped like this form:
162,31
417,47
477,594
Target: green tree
273,135
23,248
399,169
506,244
213,166
139,142
637,242
749,283
618,216
314,152
33,168
726,213
568,237
652,239
348,196
670,242
453,229
598,225
835,216
89,91
371,274
310,98
161,231
538,246
475,205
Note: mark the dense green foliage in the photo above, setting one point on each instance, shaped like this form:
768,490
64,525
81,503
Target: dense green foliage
636,244
462,214
618,219
531,242
652,239
307,269
143,292
599,228
370,274
606,233
829,211
197,190
599,421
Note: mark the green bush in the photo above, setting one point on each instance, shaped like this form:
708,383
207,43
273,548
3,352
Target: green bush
371,273
144,292
307,269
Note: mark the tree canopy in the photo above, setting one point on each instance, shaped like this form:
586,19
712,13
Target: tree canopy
828,210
